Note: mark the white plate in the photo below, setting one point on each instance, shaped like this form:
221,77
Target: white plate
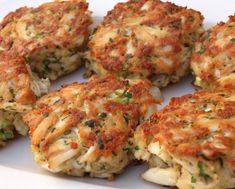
17,168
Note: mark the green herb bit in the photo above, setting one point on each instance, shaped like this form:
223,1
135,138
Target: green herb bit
121,96
201,170
130,143
210,101
93,31
123,73
61,66
100,143
187,123
53,129
102,115
128,95
9,135
12,92
193,179
129,56
5,135
90,123
232,40
125,67
201,51
137,147
46,63
66,142
202,107
125,34
5,124
127,118
45,114
119,92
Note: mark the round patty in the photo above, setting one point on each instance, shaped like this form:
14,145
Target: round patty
19,89
190,143
88,127
145,39
213,61
51,37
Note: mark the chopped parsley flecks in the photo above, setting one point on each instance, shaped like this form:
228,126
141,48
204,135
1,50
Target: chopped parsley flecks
90,123
102,115
193,179
127,94
53,129
45,114
100,143
232,40
5,135
110,40
12,92
66,142
129,56
127,118
137,147
201,170
46,63
201,51
94,31
123,73
121,96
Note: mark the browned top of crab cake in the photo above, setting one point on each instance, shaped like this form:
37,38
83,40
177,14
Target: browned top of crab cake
59,24
15,81
105,110
19,87
213,61
199,125
145,37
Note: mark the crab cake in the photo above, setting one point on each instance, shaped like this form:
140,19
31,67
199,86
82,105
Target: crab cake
145,39
190,143
88,127
213,61
51,37
19,89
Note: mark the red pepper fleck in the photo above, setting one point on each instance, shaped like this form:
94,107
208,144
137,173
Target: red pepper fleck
73,145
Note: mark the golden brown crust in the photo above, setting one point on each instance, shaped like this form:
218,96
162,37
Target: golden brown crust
15,80
44,22
144,38
104,113
214,56
55,31
198,125
19,89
